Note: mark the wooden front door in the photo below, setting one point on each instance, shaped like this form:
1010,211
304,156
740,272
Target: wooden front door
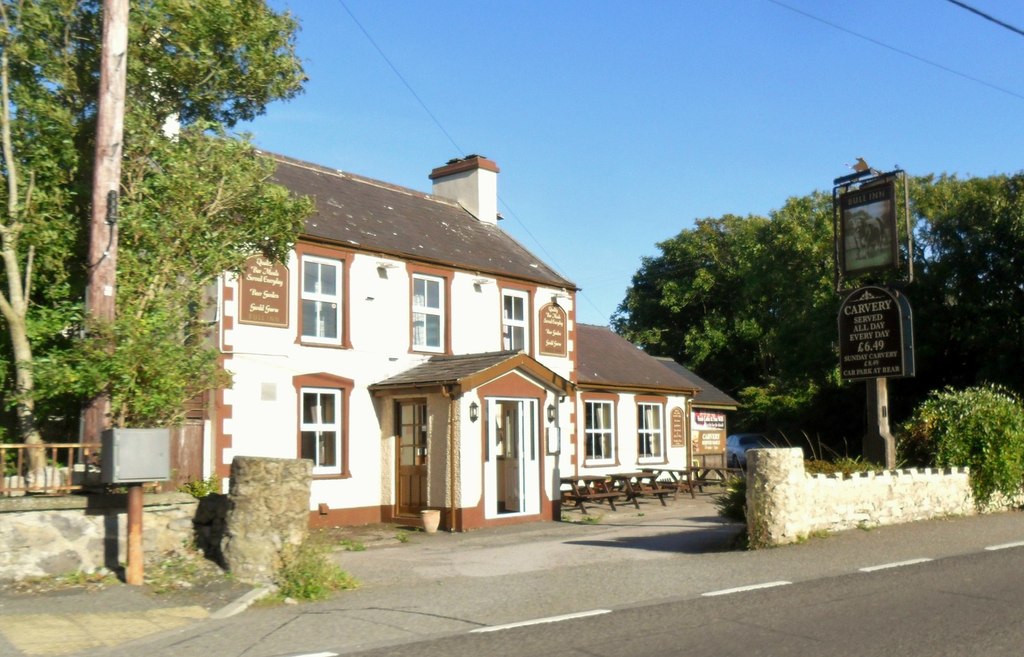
411,417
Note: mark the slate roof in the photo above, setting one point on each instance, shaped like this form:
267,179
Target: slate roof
377,217
709,395
470,370
606,359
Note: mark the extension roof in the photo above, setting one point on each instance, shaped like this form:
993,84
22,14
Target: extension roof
709,395
377,217
607,360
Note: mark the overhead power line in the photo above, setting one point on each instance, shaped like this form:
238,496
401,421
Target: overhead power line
458,149
987,17
898,50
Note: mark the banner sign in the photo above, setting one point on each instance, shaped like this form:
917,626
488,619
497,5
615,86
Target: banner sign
875,335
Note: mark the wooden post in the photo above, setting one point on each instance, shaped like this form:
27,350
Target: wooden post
878,445
106,185
134,574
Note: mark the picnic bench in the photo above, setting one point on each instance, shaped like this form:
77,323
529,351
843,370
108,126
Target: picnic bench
589,488
676,478
635,485
701,476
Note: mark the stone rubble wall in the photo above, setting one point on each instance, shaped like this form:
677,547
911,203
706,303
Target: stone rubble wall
44,536
267,514
785,504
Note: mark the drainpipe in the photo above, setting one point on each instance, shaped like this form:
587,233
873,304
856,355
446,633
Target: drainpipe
453,430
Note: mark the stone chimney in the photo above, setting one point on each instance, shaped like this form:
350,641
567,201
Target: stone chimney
473,182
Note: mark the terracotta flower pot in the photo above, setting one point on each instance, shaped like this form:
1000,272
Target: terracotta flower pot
431,520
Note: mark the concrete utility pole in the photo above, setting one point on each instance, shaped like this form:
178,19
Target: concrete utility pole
106,184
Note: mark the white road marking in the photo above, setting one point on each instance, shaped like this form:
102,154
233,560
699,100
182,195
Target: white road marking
541,621
318,654
1005,546
896,564
741,589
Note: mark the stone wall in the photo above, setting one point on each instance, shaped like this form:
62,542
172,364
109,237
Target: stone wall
42,536
785,504
268,513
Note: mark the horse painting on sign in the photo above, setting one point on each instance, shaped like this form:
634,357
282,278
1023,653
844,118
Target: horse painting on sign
868,234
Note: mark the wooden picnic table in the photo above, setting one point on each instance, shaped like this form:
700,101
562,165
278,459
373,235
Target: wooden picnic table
589,488
701,476
641,484
677,478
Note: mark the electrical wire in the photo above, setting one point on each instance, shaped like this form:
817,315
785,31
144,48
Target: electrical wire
905,53
458,148
964,5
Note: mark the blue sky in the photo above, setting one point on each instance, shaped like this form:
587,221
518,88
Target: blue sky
617,124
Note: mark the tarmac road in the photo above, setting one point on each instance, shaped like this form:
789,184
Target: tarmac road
444,584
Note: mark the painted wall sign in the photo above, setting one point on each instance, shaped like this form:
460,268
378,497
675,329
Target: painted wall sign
708,442
264,293
708,431
867,229
875,335
553,336
678,421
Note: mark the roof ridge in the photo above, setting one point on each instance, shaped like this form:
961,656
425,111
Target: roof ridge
381,184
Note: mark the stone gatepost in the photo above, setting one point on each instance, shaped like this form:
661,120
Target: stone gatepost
775,510
268,511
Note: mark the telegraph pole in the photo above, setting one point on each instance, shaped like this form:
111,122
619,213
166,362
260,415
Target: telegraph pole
106,186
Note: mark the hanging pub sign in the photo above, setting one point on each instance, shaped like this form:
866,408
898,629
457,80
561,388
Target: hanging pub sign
263,288
876,336
552,340
867,229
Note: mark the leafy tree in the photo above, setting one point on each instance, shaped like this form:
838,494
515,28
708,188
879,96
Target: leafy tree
969,297
190,207
748,300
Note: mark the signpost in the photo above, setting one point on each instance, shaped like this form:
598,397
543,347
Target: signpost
876,337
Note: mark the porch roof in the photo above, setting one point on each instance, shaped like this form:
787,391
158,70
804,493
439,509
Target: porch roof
467,371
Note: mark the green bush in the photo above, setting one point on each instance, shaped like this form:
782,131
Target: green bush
845,465
979,427
308,574
732,504
199,488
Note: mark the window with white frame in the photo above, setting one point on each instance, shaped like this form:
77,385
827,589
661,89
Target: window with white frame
427,313
650,432
599,431
321,300
515,332
320,429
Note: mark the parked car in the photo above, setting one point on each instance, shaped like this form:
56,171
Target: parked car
736,447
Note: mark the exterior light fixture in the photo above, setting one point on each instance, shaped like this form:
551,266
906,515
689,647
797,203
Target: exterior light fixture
551,412
474,412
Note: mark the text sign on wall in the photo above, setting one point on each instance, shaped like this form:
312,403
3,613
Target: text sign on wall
875,335
552,341
708,430
264,293
678,428
867,238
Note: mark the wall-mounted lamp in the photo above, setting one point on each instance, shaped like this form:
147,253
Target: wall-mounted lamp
482,281
552,411
383,264
474,412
